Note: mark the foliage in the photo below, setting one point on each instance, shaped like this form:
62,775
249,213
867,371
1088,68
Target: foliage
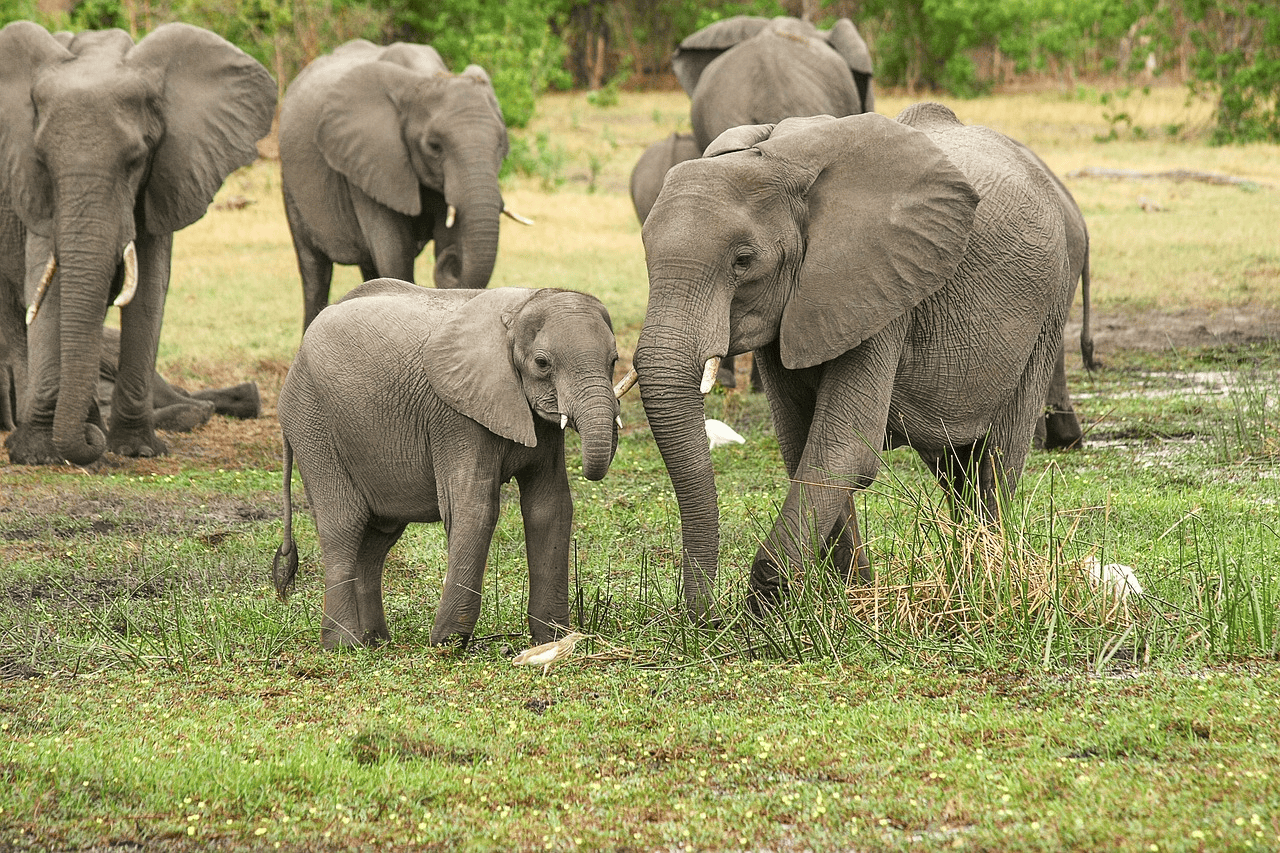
1237,58
514,42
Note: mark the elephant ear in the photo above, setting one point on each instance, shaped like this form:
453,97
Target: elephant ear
738,138
467,361
845,39
359,134
25,48
889,221
698,50
217,102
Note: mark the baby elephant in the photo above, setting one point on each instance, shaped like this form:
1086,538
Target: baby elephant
407,404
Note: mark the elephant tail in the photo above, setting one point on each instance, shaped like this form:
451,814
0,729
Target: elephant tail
1086,328
285,565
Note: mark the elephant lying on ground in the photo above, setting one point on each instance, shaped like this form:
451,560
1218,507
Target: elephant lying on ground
107,148
383,150
410,404
901,282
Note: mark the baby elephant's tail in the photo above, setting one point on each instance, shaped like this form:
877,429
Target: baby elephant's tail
285,565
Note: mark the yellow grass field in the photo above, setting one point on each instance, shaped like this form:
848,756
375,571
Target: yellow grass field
235,298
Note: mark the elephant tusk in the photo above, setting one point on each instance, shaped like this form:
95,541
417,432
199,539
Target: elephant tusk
564,421
517,217
450,215
618,420
709,374
42,288
130,276
626,383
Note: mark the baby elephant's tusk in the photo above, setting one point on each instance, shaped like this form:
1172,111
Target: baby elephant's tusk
626,383
564,421
709,374
450,215
130,277
42,288
517,217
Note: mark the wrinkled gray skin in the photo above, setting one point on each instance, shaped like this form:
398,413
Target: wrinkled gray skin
375,143
652,167
104,142
750,70
1059,428
413,404
899,287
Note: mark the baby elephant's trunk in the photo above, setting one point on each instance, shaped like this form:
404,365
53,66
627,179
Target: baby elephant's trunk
285,564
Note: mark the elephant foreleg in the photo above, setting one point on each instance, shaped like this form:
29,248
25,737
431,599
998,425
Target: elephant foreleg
547,508
470,514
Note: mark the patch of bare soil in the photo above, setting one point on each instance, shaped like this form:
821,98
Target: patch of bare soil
1188,328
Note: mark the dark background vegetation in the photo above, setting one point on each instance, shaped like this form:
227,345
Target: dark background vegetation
1228,50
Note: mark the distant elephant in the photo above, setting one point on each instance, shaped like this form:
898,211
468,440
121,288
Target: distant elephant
902,282
107,148
383,150
749,70
651,168
414,404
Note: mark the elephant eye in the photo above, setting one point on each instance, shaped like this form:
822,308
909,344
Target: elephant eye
743,261
541,362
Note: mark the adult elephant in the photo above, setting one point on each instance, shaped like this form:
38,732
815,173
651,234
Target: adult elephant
108,147
383,150
751,70
900,285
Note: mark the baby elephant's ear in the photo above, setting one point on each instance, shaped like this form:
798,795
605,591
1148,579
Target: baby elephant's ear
467,360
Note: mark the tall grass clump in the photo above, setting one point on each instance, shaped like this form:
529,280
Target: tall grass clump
1249,431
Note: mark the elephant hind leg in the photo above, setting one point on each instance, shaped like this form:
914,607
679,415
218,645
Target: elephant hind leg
353,610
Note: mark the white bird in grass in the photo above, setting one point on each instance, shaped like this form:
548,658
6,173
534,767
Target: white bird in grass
1120,578
720,433
548,653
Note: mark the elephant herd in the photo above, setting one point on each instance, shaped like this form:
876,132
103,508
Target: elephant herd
900,281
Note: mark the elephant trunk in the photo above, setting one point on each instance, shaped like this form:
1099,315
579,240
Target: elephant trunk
473,189
596,422
669,378
87,265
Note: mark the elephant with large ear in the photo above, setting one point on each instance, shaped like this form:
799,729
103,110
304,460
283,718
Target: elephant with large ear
900,286
383,150
752,70
107,147
413,404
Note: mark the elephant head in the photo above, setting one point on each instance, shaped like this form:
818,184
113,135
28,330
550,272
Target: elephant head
408,134
106,143
510,355
811,236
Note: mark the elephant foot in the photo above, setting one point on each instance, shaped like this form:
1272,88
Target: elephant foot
142,443
335,637
1061,431
28,445
239,401
184,417
766,587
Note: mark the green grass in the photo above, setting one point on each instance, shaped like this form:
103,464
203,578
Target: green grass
981,695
